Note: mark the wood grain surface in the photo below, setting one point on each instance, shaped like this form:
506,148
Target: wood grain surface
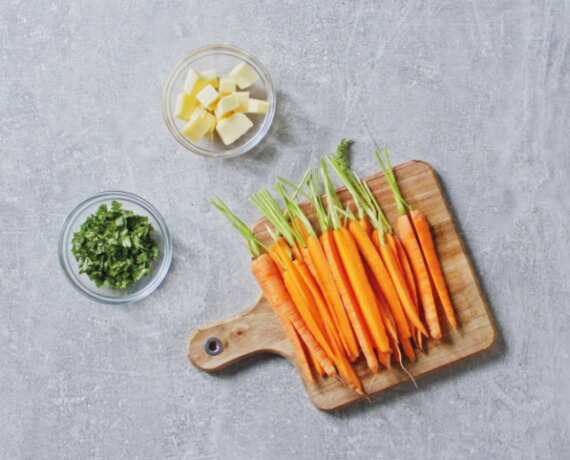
257,330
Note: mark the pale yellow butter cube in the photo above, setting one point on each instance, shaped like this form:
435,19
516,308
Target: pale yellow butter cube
244,75
227,84
226,104
210,119
243,99
219,116
211,76
199,111
212,122
208,96
232,128
257,106
195,129
194,83
185,105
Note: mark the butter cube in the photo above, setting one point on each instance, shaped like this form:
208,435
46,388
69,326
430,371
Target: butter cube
210,119
195,129
207,96
232,128
244,75
185,105
227,104
257,106
194,83
211,76
220,116
243,99
227,84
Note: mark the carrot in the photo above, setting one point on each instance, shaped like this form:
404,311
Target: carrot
362,290
324,312
399,283
421,275
384,358
306,257
420,239
316,364
295,340
408,349
305,312
330,291
322,272
367,204
382,276
409,275
268,275
271,283
365,225
382,303
406,268
424,236
348,298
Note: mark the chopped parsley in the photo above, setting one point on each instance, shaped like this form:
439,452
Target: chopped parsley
114,247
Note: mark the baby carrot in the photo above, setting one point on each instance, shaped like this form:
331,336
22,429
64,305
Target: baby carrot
272,285
412,247
348,298
295,340
424,235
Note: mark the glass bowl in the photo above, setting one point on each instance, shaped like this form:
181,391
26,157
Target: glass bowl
222,58
141,288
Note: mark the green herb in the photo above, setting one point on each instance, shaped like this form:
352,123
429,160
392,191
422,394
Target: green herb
114,247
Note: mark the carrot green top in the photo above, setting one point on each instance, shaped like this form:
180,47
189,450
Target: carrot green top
271,210
401,204
252,243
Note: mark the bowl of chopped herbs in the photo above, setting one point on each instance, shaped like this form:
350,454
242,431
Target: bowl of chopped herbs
115,248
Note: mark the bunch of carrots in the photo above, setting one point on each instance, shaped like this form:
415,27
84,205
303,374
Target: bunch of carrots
351,286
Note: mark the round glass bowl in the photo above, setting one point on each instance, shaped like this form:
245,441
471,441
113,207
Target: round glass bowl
223,59
141,288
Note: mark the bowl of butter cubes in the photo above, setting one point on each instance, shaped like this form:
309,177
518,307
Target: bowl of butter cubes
219,101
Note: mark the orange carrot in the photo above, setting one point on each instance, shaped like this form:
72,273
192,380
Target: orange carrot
424,236
319,300
271,283
382,304
327,284
316,364
348,298
421,275
406,268
427,251
399,283
308,261
355,270
295,340
306,310
363,222
376,264
408,349
409,275
384,358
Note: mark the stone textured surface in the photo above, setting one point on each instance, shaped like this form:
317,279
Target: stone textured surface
479,89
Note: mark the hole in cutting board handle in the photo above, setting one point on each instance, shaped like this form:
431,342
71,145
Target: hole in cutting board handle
213,346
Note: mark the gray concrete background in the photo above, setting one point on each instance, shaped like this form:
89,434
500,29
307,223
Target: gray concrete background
479,89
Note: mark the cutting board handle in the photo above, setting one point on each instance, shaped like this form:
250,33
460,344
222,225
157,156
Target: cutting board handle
253,331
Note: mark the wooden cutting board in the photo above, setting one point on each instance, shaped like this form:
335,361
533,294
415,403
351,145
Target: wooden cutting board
257,330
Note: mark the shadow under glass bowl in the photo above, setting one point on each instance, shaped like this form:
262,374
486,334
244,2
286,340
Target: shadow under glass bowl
223,59
141,288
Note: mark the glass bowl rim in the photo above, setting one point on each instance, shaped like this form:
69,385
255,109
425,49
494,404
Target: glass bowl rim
265,125
161,270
